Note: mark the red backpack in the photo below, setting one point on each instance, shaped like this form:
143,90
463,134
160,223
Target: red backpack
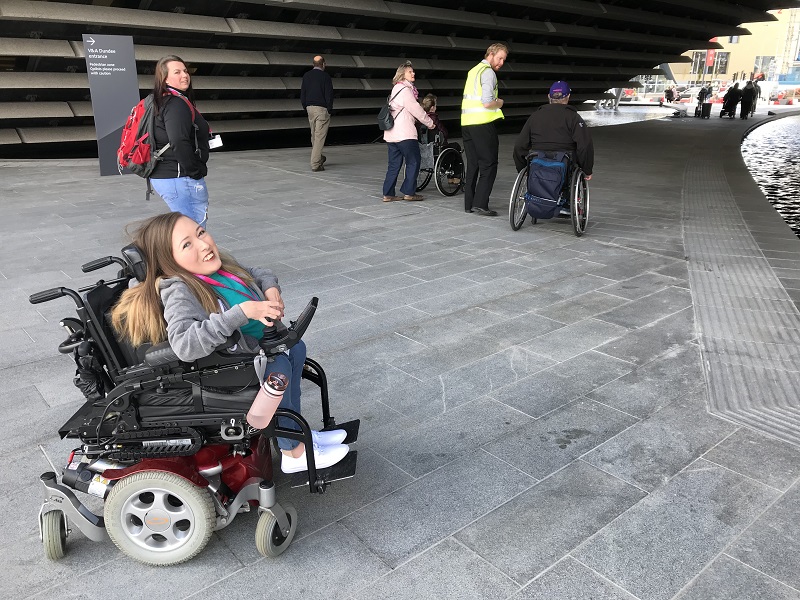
135,150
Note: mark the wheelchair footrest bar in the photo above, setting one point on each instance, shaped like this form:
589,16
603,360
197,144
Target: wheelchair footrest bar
344,469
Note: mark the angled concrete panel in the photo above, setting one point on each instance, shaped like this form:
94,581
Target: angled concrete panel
30,47
34,110
62,12
9,136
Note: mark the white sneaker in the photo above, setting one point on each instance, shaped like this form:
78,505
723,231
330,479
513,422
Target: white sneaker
328,438
324,457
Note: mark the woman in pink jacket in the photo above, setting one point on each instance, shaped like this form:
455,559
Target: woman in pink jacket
402,138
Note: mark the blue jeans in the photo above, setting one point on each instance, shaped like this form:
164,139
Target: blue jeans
184,195
292,367
398,151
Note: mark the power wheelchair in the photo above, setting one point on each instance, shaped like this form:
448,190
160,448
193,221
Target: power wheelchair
166,443
572,199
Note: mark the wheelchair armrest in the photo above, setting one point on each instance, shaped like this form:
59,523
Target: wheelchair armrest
162,354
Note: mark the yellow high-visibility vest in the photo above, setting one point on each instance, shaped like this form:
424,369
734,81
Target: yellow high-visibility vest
473,112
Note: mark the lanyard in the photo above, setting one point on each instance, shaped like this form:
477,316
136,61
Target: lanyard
235,278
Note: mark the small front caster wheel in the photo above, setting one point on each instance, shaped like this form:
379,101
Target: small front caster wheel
270,540
54,534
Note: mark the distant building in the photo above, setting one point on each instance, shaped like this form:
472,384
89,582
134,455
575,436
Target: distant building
769,53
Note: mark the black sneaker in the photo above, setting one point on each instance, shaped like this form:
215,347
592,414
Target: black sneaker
484,212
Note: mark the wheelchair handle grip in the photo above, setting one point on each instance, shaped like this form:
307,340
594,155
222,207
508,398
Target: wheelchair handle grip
53,293
99,263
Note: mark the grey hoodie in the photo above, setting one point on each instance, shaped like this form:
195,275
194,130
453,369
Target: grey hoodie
192,332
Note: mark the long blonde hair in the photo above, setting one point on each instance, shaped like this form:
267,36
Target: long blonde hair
400,74
139,315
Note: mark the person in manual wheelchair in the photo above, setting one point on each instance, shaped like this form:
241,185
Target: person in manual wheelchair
441,160
554,157
196,297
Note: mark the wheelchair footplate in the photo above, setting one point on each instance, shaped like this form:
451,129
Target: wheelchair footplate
344,469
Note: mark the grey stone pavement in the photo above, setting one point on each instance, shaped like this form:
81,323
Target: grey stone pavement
610,417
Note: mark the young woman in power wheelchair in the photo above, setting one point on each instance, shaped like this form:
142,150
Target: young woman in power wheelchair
164,437
551,184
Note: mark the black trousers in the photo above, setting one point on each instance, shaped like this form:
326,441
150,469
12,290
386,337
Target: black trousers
481,145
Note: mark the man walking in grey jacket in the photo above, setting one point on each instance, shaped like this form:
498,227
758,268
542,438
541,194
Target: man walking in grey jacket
316,96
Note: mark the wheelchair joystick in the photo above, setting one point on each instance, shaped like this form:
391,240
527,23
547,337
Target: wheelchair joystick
270,333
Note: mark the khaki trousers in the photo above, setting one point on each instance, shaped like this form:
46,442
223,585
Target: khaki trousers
318,119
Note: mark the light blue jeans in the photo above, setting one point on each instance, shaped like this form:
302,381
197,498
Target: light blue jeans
292,367
184,195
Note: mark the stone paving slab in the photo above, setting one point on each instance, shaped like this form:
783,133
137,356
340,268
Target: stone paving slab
657,547
532,403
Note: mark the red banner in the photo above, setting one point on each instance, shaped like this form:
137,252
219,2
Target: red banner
710,56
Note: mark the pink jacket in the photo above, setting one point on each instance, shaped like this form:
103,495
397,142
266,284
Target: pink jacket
405,120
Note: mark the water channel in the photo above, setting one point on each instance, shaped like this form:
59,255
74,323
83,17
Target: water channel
771,155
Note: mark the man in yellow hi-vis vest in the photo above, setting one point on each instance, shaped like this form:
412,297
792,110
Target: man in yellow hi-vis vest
480,108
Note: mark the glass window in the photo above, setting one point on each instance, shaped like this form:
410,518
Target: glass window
721,63
762,64
698,62
733,39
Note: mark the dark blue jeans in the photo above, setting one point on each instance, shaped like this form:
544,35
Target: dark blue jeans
407,150
292,367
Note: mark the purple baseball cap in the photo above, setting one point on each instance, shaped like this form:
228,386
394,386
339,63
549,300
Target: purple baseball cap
559,89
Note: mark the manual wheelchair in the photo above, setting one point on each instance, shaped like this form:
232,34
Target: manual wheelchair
572,201
166,443
448,170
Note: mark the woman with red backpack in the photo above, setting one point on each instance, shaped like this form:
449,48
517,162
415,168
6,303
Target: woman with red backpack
179,175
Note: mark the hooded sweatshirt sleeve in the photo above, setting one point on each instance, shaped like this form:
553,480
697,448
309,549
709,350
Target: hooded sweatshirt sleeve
264,278
191,331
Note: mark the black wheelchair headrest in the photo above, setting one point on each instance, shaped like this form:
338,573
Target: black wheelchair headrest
133,256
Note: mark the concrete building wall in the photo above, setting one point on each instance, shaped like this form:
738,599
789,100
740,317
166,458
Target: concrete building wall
247,57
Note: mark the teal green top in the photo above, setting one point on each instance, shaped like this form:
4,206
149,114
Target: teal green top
236,295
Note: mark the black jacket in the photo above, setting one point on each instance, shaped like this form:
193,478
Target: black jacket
317,90
748,94
174,126
555,127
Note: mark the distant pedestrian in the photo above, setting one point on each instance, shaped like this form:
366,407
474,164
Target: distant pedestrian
316,96
730,100
401,140
748,98
756,99
480,108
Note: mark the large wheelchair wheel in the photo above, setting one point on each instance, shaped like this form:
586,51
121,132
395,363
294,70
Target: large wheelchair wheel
449,170
54,534
516,205
159,518
579,202
423,177
270,540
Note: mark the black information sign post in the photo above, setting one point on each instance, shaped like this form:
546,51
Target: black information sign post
114,86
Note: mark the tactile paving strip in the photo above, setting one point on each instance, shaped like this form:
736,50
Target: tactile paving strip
748,325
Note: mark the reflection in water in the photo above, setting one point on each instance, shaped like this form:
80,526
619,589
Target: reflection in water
625,114
771,155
